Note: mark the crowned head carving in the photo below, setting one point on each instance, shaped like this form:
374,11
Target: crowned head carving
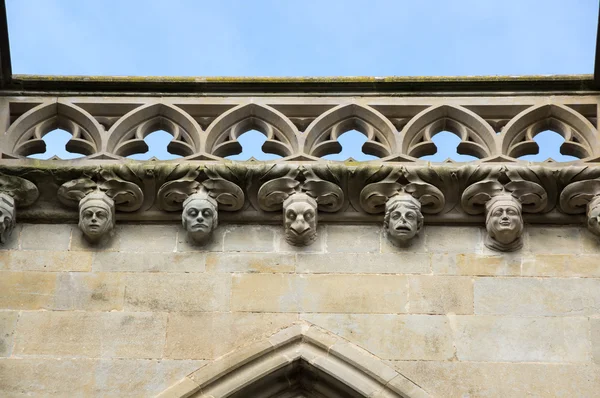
96,216
300,219
403,219
583,196
7,216
200,216
504,223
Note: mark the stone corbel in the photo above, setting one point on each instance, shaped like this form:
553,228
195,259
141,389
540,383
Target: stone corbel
504,196
14,192
404,197
580,197
97,200
301,194
201,201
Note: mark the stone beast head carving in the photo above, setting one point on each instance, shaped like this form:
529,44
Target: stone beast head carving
300,201
201,201
580,197
98,199
404,197
503,196
14,191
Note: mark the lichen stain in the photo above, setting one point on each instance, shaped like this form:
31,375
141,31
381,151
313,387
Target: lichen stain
100,293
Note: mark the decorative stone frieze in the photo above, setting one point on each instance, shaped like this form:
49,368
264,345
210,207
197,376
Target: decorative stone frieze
583,196
14,191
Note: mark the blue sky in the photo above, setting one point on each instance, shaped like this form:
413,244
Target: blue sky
303,38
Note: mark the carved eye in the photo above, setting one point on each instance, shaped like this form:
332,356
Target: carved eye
291,215
207,213
192,212
309,215
395,215
511,212
498,213
410,215
88,213
102,215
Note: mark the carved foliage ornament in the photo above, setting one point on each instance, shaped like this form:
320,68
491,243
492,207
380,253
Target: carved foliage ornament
97,200
300,193
583,196
200,200
504,195
14,191
404,197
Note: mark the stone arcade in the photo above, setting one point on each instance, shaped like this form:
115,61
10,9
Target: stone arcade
300,277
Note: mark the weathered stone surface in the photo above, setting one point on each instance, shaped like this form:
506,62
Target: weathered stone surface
12,241
46,236
353,238
481,379
249,238
110,242
527,339
476,264
250,262
27,290
210,335
364,263
319,293
554,239
147,238
537,297
318,246
37,260
148,262
214,244
90,334
595,325
177,292
562,265
390,336
90,291
416,245
442,239
8,322
430,294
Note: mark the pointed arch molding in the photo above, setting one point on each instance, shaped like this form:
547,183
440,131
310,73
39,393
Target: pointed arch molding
323,133
581,139
24,137
342,369
126,136
223,132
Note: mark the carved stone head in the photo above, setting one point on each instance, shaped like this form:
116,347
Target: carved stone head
403,219
200,216
300,219
96,216
593,215
7,216
504,223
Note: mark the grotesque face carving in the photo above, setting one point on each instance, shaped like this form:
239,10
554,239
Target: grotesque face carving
96,216
300,219
403,219
7,216
200,216
504,223
593,214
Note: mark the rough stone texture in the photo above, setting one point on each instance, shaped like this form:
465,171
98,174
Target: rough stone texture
595,325
365,238
46,236
250,262
585,266
555,240
364,263
148,262
27,290
90,291
8,322
440,294
36,260
476,264
453,239
249,239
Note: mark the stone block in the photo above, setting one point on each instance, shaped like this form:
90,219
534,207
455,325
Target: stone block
318,246
476,264
481,379
177,292
148,262
517,339
353,238
554,239
213,244
430,294
4,259
46,236
590,241
8,322
12,242
210,335
97,291
147,238
110,242
416,245
319,293
249,238
392,336
27,290
562,265
595,326
250,262
441,239
537,297
94,334
43,377
364,263
46,260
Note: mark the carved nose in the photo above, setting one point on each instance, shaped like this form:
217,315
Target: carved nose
299,227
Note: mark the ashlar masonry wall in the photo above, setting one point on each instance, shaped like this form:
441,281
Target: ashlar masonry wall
134,317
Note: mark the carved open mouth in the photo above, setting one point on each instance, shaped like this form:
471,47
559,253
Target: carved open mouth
303,233
94,227
199,226
402,228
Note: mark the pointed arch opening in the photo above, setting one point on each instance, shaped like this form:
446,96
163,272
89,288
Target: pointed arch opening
300,361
